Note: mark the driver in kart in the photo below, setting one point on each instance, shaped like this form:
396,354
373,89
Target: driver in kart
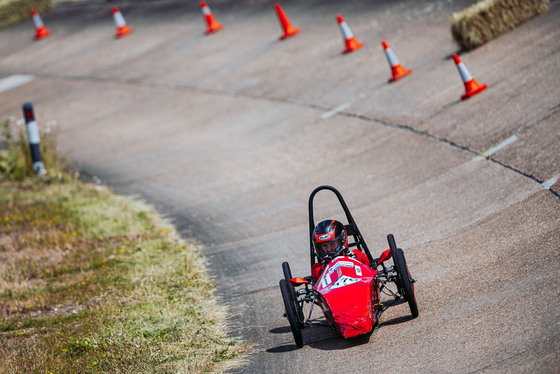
330,240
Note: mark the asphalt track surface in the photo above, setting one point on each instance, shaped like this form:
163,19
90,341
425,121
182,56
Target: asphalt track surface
226,135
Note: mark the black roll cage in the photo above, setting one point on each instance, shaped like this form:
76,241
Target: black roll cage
351,228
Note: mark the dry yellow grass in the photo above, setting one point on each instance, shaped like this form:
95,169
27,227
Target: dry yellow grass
94,282
487,19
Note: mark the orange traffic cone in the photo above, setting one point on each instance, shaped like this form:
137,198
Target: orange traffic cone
472,87
351,43
40,30
122,28
289,30
396,68
212,24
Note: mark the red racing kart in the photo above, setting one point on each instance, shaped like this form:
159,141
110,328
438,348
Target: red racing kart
348,292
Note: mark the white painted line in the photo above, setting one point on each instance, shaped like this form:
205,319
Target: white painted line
503,144
336,110
495,149
546,185
13,81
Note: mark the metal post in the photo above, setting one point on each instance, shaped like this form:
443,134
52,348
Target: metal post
34,139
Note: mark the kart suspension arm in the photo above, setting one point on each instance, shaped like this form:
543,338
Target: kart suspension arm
311,308
383,279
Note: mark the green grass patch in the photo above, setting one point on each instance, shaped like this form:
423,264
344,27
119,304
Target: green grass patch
15,153
15,11
487,19
94,282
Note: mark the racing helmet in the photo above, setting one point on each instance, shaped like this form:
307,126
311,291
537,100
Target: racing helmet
329,239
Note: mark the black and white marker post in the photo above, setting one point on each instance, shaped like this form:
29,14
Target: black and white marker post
34,139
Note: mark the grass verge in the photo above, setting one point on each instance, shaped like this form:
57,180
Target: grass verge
93,282
15,11
487,19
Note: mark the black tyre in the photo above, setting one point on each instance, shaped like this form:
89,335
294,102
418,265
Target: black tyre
291,288
404,281
291,313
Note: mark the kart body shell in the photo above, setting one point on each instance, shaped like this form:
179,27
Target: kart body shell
348,294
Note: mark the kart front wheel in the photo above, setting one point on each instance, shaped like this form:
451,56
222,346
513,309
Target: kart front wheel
405,283
291,288
291,313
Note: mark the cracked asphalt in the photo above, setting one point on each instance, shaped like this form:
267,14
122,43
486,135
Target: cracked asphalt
225,135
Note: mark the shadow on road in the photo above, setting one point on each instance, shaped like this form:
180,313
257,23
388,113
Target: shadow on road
283,348
318,338
328,344
450,104
396,321
450,56
338,342
280,330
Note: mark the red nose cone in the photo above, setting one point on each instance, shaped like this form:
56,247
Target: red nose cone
339,18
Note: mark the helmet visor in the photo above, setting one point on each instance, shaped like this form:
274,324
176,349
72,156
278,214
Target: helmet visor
331,247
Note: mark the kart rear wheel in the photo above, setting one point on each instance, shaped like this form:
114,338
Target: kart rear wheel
291,313
404,282
291,288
